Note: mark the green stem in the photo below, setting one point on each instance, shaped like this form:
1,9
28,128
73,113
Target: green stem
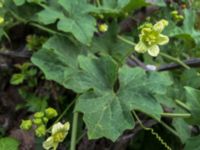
74,131
176,115
183,105
24,21
65,111
98,3
169,128
80,137
125,40
175,60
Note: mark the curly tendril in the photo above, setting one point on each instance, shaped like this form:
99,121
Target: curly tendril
158,137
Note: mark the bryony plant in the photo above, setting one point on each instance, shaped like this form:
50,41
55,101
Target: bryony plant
150,37
58,133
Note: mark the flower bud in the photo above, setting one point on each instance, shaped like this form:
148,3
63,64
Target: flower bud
1,20
38,115
40,131
50,113
26,124
103,27
37,121
45,119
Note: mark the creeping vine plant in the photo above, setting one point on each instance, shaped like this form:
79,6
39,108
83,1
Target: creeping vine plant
85,49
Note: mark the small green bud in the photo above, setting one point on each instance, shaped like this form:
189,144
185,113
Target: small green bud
45,119
174,13
103,27
1,20
50,113
40,131
37,121
38,115
26,124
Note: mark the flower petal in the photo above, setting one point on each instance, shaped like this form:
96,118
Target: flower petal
57,127
49,143
140,47
163,39
66,126
160,25
154,50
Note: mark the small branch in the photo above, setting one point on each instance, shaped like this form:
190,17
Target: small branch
174,115
183,105
125,40
14,54
175,60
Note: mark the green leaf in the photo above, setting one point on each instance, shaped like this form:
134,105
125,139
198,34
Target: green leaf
182,129
193,103
77,21
19,2
117,7
133,5
96,78
17,78
8,143
108,43
191,78
111,113
97,74
57,59
193,143
160,3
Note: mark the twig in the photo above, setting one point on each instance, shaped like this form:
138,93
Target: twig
14,54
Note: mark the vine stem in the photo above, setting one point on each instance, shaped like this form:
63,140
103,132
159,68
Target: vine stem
175,60
185,115
125,40
183,105
74,131
22,20
63,113
162,54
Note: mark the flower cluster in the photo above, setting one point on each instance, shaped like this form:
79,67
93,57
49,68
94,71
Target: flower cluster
176,16
40,120
150,37
58,133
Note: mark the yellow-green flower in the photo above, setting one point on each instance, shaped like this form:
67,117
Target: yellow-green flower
151,38
1,20
58,134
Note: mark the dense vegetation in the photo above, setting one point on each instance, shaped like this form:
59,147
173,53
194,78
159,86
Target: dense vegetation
99,74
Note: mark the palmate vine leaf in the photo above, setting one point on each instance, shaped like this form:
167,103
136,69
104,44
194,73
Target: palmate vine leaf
106,105
182,128
57,59
73,17
117,7
111,111
8,143
193,143
108,43
19,2
193,103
